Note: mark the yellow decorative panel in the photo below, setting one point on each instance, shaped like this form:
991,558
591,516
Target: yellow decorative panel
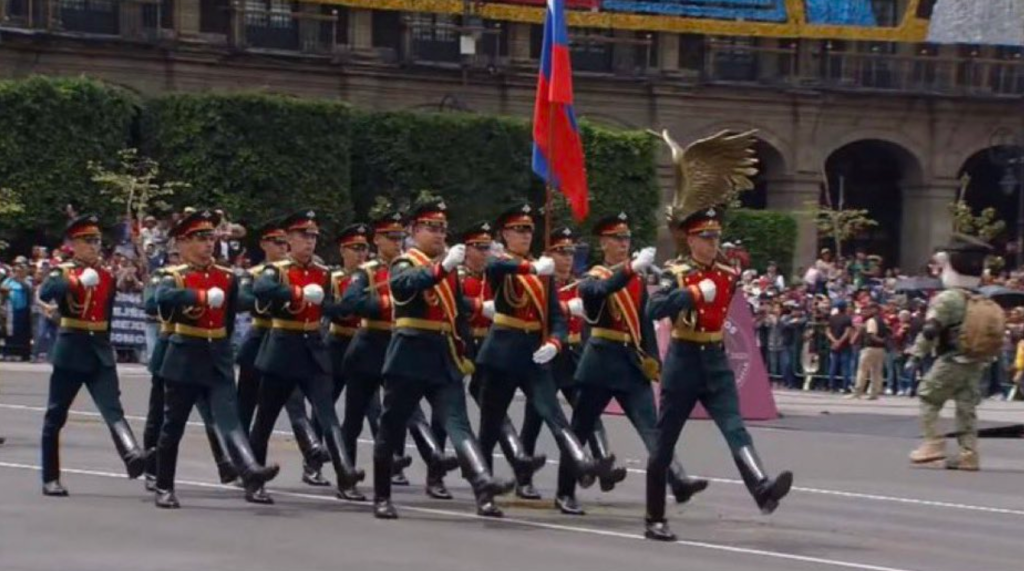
911,29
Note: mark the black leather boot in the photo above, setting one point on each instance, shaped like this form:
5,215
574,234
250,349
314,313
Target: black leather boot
226,470
766,491
602,452
352,494
684,487
568,505
313,476
150,474
659,531
515,452
347,474
585,468
435,484
128,448
485,486
253,475
166,499
382,506
54,489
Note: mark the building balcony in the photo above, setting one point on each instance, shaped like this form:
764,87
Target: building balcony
483,49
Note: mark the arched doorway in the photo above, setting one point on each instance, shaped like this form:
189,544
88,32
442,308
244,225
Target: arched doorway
770,167
995,182
871,175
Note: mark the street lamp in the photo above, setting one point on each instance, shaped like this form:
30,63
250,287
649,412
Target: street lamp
1007,151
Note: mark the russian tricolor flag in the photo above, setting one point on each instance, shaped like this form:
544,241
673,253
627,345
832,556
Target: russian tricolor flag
557,147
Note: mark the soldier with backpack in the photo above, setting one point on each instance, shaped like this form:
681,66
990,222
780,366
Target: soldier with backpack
965,332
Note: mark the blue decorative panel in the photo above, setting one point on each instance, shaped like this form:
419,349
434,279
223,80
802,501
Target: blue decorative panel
840,12
749,10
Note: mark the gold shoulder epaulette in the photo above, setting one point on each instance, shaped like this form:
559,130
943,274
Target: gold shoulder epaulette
257,269
370,266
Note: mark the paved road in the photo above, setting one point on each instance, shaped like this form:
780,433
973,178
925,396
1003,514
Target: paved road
857,506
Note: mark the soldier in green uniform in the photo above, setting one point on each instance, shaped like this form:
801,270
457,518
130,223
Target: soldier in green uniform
155,415
621,359
478,241
428,356
82,354
199,299
275,249
562,250
368,296
955,375
529,331
293,353
695,294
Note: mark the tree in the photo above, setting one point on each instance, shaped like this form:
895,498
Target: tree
10,203
836,221
987,225
133,184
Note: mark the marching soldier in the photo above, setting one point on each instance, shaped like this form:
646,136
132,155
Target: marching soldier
155,414
620,359
199,299
695,293
956,373
369,296
275,249
478,241
82,355
562,249
293,353
529,331
428,356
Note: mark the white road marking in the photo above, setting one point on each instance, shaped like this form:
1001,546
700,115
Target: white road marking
513,521
818,491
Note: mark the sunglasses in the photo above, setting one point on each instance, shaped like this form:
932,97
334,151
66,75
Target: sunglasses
482,246
568,251
394,236
93,241
357,247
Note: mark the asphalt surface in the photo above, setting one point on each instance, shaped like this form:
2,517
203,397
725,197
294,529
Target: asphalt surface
857,505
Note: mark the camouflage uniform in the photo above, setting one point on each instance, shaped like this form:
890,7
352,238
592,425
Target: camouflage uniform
953,376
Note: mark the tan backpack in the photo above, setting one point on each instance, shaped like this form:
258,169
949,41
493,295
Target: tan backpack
983,330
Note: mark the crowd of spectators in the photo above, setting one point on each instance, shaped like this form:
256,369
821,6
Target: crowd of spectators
28,325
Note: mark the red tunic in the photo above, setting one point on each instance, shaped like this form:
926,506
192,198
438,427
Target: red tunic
476,290
566,293
298,276
710,317
201,280
340,281
89,304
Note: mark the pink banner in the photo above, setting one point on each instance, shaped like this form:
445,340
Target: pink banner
756,399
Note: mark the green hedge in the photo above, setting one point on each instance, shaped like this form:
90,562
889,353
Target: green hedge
49,131
767,236
257,156
481,165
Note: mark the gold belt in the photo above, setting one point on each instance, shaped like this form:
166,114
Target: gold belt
575,338
376,325
697,336
342,330
611,335
424,324
516,323
480,332
201,332
83,325
262,323
289,325
166,328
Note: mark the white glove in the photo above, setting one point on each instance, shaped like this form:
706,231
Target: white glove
546,352
89,278
708,289
643,260
455,256
488,309
497,248
576,307
313,294
544,266
215,297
